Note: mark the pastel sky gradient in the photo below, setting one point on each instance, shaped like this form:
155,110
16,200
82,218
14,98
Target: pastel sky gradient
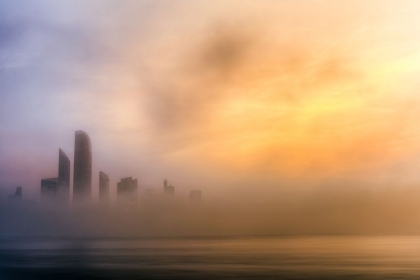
215,95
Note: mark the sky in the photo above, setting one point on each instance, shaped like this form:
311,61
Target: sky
250,97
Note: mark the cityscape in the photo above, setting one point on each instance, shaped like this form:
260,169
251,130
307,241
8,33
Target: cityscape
57,189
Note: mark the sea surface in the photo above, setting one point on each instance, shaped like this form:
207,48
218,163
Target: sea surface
341,257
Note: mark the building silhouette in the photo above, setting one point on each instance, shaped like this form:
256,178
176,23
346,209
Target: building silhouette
127,188
103,186
82,171
64,171
168,190
195,195
17,197
58,187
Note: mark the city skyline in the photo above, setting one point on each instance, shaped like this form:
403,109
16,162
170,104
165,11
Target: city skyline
57,189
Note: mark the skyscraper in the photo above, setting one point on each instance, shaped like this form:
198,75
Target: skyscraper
82,171
64,172
58,187
103,186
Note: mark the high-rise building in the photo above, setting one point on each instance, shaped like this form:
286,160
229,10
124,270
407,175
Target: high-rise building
103,186
59,187
168,191
82,171
127,188
64,172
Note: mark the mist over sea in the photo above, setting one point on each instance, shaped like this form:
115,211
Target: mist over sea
327,257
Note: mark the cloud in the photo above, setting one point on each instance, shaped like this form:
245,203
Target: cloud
223,65
187,93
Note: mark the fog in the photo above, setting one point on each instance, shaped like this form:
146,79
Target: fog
325,211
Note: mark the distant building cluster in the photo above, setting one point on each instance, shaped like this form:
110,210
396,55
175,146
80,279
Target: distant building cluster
57,189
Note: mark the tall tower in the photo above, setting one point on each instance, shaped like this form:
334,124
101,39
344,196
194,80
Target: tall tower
82,171
57,189
64,172
103,186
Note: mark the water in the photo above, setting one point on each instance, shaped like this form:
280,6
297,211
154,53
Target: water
233,258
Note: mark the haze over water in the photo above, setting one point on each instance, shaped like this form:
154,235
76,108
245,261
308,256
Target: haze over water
342,257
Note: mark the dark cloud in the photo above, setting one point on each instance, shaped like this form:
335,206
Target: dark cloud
222,52
187,94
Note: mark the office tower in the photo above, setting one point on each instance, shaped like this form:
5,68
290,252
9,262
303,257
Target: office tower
59,187
127,188
63,176
168,191
103,186
82,171
195,195
64,171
